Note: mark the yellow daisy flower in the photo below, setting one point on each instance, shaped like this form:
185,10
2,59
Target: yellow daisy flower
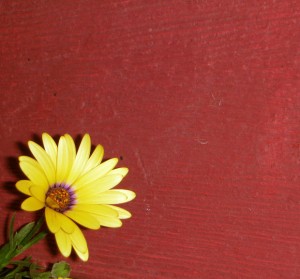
73,187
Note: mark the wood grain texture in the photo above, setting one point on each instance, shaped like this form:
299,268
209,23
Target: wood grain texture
200,99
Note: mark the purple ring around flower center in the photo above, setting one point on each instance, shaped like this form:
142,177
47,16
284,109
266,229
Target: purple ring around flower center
60,197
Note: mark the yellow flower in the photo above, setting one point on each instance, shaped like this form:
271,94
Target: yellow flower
73,187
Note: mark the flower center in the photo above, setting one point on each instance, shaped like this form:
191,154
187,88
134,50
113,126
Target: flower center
60,197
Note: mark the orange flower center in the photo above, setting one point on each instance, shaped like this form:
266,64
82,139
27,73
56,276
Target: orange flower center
58,198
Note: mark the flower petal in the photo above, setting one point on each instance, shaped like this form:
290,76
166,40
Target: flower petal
95,158
111,222
64,160
44,160
78,240
97,209
108,197
123,214
130,194
32,204
33,171
100,185
84,219
81,159
120,171
71,147
56,221
52,220
83,256
38,192
66,223
23,186
95,173
64,243
50,147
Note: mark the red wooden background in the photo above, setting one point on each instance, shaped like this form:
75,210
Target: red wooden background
199,98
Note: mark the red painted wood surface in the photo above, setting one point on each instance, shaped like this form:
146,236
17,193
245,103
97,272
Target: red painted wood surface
200,99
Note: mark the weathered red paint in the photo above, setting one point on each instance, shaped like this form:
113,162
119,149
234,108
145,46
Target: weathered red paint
201,101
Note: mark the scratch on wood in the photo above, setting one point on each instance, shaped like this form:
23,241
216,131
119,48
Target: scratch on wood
216,101
202,141
142,166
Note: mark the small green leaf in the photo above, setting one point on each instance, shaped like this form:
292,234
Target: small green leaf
23,232
11,231
61,269
34,230
4,250
5,255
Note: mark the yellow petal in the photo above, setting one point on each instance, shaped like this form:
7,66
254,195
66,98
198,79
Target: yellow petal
66,224
32,204
110,222
97,209
53,222
33,171
38,192
84,219
122,213
50,147
95,173
100,185
95,158
64,160
108,197
64,243
120,171
83,256
78,240
71,146
23,186
130,194
81,159
44,160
